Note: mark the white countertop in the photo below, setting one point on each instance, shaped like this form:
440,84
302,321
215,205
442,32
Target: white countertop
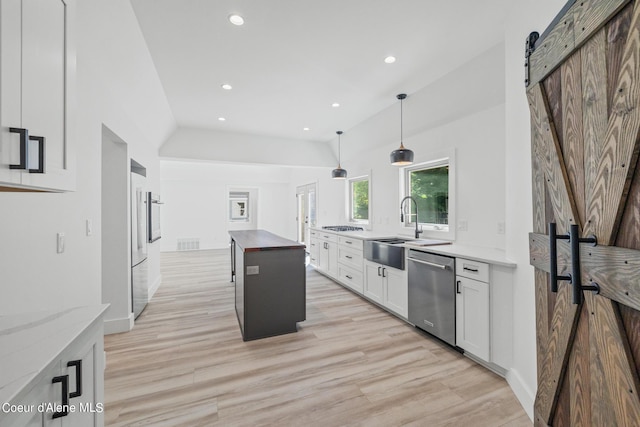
30,342
364,235
475,253
442,247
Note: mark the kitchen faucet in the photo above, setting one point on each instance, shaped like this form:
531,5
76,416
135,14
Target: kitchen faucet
418,231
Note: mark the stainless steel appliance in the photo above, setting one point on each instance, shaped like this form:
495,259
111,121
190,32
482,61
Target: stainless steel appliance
139,263
432,294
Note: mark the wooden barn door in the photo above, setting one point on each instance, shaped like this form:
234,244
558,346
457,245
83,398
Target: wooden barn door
583,87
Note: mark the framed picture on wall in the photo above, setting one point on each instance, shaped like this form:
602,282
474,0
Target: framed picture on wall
239,206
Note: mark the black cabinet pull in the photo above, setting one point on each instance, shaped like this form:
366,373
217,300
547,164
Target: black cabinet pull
383,270
24,148
64,380
41,153
458,287
348,257
348,277
78,366
379,270
473,270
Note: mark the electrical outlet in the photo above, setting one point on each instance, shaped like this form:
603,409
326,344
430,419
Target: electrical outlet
501,227
60,243
463,225
89,227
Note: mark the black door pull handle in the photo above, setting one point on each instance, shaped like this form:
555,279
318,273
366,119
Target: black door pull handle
64,380
41,153
78,366
24,148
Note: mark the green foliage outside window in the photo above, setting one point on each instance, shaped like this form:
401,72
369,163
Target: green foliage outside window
430,189
360,200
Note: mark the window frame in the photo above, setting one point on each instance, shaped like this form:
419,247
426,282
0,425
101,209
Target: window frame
349,202
429,229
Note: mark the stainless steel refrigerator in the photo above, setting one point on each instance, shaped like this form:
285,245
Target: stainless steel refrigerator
139,263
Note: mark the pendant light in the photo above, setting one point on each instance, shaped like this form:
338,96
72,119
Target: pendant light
402,156
339,173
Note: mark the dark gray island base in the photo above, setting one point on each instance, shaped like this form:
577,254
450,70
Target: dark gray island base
270,279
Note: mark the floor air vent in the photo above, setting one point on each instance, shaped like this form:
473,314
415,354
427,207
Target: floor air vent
188,244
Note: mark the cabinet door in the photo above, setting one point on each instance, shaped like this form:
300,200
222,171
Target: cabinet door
323,256
373,285
472,317
47,63
314,251
10,93
332,252
38,63
396,291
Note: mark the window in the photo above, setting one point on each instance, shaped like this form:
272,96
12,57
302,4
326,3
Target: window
359,199
429,184
239,206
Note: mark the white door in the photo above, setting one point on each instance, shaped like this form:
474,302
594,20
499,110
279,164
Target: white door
306,211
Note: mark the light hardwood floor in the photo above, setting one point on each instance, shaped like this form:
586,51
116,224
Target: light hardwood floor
350,363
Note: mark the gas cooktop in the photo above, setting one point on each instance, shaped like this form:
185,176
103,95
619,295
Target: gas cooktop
342,228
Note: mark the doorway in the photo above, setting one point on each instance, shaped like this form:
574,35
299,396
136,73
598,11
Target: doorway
306,197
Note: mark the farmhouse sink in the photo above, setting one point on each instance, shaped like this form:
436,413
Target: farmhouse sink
388,252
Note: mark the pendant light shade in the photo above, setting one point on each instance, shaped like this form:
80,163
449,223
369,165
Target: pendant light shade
402,156
339,173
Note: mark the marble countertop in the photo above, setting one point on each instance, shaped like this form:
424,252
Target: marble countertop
364,235
257,240
475,253
442,247
30,342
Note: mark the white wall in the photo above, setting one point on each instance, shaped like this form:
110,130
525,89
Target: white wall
528,16
461,112
205,144
116,85
195,196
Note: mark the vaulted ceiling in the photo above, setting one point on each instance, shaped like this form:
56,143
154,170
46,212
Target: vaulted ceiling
292,59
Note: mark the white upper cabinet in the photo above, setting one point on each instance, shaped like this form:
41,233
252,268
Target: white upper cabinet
37,78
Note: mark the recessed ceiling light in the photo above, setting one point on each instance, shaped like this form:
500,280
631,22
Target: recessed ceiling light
236,19
335,105
226,86
305,128
390,59
221,119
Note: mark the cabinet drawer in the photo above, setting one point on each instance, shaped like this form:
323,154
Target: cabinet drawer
327,237
351,278
350,258
355,244
314,247
472,269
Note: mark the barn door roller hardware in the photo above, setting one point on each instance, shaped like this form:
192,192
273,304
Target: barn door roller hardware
530,46
575,278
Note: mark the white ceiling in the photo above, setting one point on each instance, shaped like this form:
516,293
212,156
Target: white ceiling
293,58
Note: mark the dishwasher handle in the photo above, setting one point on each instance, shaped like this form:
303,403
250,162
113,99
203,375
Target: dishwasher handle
430,264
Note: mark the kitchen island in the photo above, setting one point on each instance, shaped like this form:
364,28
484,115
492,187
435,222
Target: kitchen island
270,283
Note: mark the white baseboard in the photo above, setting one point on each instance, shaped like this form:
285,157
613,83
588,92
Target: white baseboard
154,287
523,393
115,326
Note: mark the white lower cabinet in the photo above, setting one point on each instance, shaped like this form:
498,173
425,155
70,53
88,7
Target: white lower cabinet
69,391
472,316
387,286
351,278
314,251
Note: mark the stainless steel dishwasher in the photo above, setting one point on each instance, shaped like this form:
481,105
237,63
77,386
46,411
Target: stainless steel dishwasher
432,294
